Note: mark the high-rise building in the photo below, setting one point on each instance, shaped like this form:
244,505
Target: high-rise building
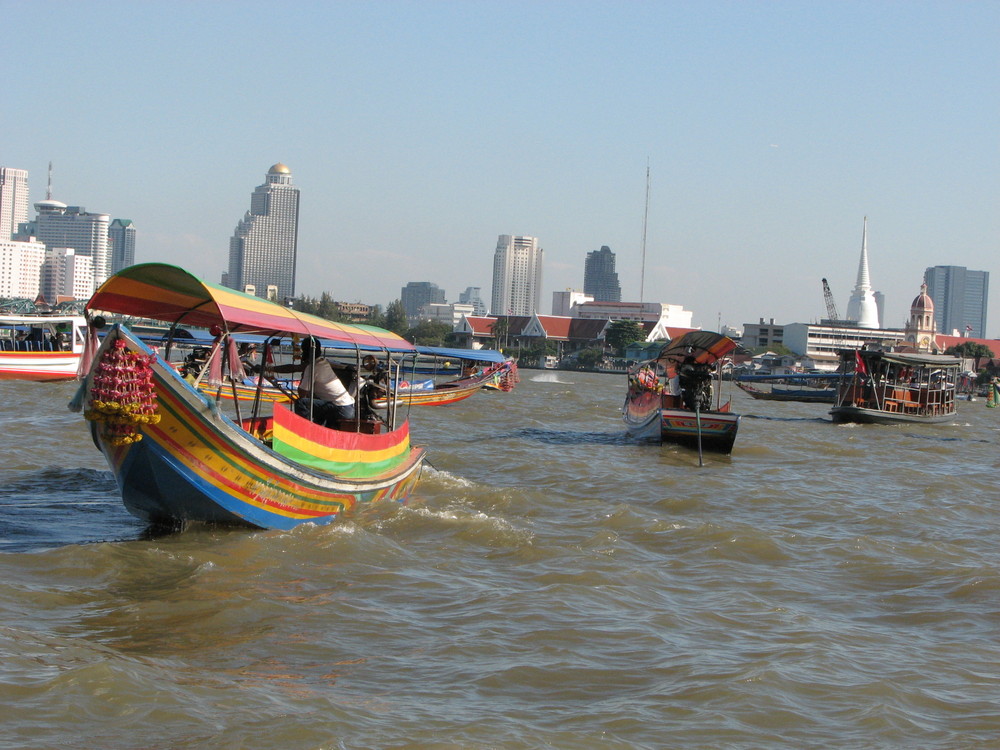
960,299
471,296
60,226
66,274
416,294
863,306
600,280
21,268
517,276
13,201
121,236
262,251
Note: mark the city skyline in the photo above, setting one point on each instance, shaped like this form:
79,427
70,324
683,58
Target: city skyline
770,131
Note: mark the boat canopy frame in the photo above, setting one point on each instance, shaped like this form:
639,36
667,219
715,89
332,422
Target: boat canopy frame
170,294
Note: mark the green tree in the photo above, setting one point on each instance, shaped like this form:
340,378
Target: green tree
305,304
970,350
395,318
588,359
539,347
621,333
501,331
376,317
327,307
429,333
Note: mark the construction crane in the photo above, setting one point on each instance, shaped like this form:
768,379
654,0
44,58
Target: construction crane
831,306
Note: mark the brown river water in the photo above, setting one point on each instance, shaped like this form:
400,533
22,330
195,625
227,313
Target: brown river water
551,584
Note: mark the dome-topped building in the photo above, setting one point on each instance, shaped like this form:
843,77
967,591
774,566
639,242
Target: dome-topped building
262,250
920,327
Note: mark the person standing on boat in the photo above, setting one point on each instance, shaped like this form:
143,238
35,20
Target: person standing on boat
322,396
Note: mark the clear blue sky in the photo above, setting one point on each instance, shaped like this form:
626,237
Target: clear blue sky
419,131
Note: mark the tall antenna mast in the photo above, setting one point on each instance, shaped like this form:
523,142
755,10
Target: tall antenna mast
48,192
645,218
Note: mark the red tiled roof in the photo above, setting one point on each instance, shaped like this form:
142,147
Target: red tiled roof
481,326
556,327
944,342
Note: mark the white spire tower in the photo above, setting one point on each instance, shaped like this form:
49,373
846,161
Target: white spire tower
862,308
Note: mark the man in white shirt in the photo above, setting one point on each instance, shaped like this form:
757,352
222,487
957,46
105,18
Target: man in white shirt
322,396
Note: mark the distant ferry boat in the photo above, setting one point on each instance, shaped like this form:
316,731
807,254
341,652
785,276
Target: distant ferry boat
41,347
895,387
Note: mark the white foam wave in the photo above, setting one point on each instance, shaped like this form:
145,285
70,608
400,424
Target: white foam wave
447,478
549,377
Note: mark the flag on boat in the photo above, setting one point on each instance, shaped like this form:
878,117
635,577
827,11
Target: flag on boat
859,364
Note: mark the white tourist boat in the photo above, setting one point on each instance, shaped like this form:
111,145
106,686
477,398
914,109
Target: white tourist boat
41,347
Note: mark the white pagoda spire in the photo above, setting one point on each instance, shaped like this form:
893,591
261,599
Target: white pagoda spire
862,307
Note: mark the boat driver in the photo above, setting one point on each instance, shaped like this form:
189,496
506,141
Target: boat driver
696,384
321,392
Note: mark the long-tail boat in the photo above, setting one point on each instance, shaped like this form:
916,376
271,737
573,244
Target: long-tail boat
895,387
481,369
178,458
805,387
670,396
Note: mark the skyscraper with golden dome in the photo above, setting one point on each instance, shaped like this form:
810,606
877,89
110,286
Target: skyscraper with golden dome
262,250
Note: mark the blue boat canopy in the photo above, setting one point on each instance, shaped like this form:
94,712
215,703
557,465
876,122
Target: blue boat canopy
474,355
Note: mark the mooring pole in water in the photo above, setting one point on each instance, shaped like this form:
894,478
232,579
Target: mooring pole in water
697,417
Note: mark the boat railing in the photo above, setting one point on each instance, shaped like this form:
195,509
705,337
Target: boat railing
910,398
9,345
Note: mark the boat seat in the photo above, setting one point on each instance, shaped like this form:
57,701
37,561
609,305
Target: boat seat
351,425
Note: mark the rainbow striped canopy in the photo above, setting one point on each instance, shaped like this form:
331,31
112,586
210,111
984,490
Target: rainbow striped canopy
170,294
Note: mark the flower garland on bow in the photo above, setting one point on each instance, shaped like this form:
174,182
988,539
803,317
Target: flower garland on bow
509,377
122,396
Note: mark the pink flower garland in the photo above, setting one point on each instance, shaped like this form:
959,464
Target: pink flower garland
122,395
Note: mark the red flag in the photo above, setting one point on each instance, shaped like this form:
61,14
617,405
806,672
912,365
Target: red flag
859,364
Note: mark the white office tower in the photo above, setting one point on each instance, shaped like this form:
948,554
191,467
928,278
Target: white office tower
60,226
21,268
863,307
262,251
517,276
13,200
66,274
